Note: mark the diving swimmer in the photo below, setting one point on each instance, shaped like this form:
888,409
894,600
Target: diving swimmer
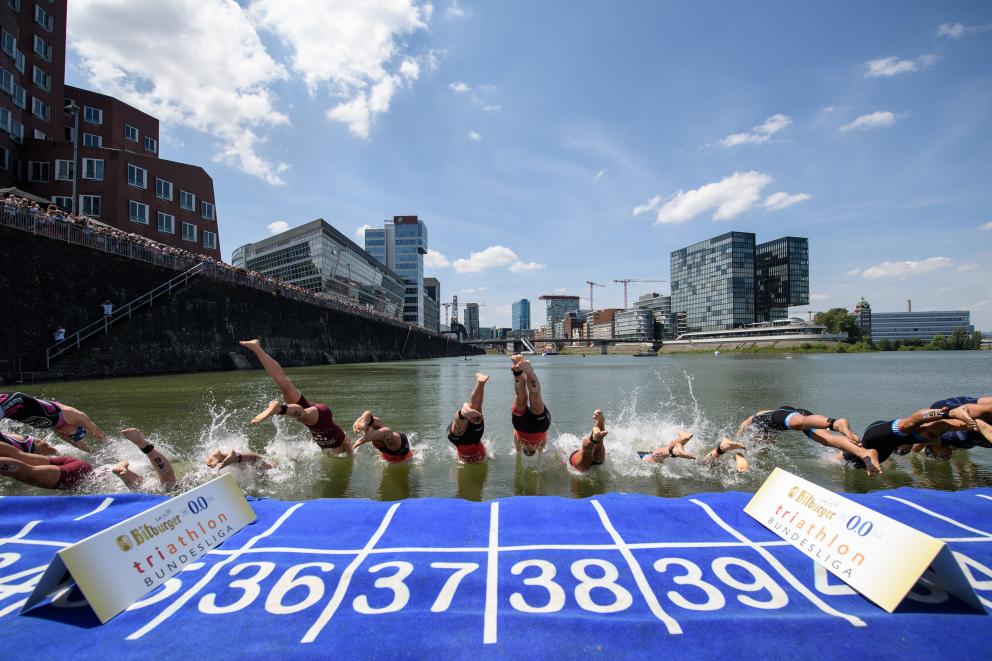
592,452
468,425
59,473
393,446
160,463
69,423
531,418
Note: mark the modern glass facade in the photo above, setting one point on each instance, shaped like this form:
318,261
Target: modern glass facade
472,320
918,325
661,309
318,257
432,304
556,307
401,246
634,324
781,277
713,282
521,315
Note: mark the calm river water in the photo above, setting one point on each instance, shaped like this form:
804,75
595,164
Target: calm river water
646,400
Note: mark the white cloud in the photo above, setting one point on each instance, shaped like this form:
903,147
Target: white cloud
599,175
360,232
887,67
986,226
491,257
492,107
958,30
455,10
474,137
435,260
760,133
854,272
779,201
902,270
729,197
459,87
876,119
970,266
524,267
278,227
351,49
216,79
650,205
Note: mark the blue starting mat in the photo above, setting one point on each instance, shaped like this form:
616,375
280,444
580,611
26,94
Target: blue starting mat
617,576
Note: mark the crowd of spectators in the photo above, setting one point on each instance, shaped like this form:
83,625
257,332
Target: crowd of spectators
80,229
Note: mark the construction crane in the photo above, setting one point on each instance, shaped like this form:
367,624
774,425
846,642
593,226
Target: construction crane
627,281
591,285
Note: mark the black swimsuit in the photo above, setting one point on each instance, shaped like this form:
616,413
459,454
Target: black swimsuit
29,410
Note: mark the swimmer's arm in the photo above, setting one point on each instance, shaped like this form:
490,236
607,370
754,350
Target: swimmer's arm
250,458
744,425
913,422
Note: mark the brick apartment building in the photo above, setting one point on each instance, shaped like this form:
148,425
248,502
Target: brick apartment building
121,179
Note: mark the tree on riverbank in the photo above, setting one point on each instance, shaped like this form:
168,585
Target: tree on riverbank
839,320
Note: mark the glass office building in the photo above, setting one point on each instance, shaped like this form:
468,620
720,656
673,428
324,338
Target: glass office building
918,325
556,307
401,246
472,320
781,277
713,282
521,315
432,304
318,257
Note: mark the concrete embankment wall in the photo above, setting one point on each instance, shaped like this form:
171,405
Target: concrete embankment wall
737,346
44,282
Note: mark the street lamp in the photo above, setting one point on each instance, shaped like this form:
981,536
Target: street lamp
73,109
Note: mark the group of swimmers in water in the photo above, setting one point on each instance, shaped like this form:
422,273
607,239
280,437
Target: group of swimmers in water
938,430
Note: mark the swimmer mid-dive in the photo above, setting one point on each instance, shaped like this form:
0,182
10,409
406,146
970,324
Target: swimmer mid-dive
29,444
468,425
317,417
767,423
160,463
592,452
973,409
69,423
531,418
674,449
723,447
219,459
393,446
46,472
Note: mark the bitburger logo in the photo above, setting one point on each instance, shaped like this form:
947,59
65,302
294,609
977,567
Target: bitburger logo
124,543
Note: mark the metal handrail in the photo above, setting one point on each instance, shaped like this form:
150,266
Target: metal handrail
104,323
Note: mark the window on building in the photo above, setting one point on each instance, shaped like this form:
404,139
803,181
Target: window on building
40,109
9,44
92,115
138,212
187,200
89,205
137,176
163,189
63,202
43,18
166,223
151,144
4,119
65,170
19,61
93,168
92,140
131,132
16,131
70,134
207,210
20,96
39,135
14,4
41,79
209,240
189,232
6,81
38,171
5,158
42,49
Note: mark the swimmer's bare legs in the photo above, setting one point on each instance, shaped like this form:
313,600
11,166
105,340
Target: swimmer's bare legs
159,462
290,393
471,411
592,451
869,457
520,398
478,391
800,422
673,449
28,468
984,428
533,387
219,459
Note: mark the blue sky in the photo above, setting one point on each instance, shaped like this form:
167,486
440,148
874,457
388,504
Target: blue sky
546,144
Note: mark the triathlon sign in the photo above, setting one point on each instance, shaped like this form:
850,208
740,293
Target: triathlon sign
122,563
879,557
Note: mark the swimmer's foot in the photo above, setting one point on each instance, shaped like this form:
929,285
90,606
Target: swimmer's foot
600,419
726,445
232,457
468,412
269,411
872,465
741,463
597,434
481,378
121,468
252,345
683,437
844,427
128,477
136,437
215,458
678,451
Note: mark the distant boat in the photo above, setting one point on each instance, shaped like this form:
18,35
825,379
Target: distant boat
716,353
550,353
645,354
